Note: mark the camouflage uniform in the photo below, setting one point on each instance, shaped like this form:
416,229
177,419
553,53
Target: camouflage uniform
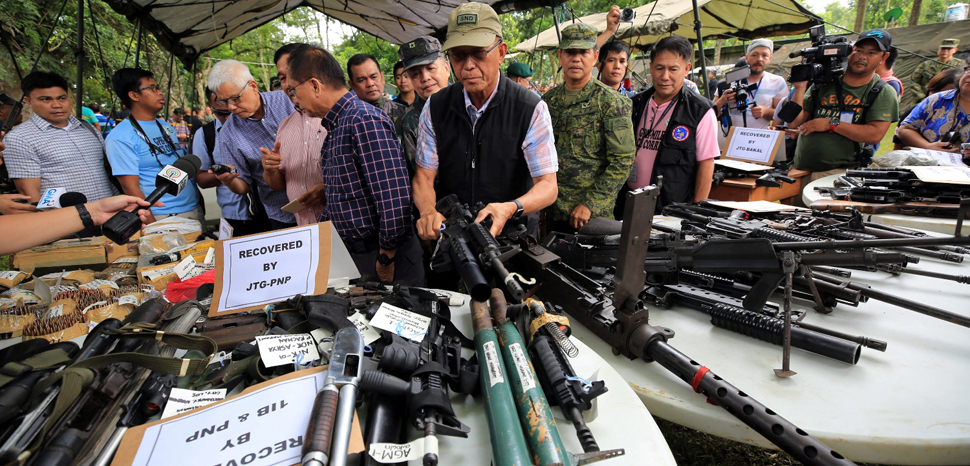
407,130
594,140
393,109
927,69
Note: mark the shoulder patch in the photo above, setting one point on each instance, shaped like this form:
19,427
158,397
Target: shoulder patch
680,133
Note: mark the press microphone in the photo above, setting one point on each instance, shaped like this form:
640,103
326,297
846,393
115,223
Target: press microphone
788,112
171,180
56,198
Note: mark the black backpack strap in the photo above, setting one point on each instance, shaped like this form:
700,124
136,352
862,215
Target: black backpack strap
209,133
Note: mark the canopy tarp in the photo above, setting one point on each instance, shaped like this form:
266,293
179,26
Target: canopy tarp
190,27
747,19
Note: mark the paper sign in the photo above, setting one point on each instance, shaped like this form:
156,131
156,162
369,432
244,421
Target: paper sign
495,371
393,453
184,268
181,400
253,271
366,331
523,367
952,174
210,257
278,350
401,322
753,145
263,426
225,229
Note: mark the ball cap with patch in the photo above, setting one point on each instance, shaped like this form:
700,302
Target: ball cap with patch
883,39
949,43
578,36
421,51
520,70
472,24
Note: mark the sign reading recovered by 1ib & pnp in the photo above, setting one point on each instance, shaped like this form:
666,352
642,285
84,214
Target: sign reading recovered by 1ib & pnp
253,271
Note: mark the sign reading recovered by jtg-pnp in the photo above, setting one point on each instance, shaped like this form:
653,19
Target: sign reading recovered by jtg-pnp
253,271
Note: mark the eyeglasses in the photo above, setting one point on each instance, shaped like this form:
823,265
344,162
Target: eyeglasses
478,55
292,91
234,100
222,112
153,88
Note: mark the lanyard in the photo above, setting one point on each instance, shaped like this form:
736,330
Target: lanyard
653,120
754,93
155,150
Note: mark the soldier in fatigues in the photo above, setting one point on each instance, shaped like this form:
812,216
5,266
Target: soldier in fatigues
927,69
594,135
428,71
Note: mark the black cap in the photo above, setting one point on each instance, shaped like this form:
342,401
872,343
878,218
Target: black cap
6,99
882,38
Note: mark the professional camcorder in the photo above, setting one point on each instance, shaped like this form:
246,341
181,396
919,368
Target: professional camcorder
824,60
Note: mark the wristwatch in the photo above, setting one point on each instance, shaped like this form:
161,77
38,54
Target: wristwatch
519,210
85,216
384,259
833,123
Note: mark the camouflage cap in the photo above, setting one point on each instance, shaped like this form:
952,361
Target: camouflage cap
421,51
949,43
578,36
472,24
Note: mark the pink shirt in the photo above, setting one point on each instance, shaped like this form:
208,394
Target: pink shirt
648,140
301,140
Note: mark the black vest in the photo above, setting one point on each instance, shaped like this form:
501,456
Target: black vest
485,164
677,157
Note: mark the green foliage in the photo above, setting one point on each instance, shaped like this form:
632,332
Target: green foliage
843,14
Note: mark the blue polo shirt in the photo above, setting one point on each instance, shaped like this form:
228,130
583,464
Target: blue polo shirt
129,154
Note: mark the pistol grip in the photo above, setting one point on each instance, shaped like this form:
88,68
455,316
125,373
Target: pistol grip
319,432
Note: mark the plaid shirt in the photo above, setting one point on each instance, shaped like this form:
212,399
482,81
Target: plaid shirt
70,158
539,145
367,185
241,139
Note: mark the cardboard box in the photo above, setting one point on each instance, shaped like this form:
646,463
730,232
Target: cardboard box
114,251
70,253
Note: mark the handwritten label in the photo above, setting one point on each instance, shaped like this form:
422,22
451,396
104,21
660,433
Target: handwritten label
523,367
94,284
9,274
225,229
267,268
128,299
942,158
277,350
54,311
185,268
495,374
367,332
210,257
159,273
401,322
392,453
126,260
181,400
756,145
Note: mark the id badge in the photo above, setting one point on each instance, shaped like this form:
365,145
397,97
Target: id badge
633,174
846,117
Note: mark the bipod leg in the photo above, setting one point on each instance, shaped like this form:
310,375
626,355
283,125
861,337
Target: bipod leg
810,280
785,370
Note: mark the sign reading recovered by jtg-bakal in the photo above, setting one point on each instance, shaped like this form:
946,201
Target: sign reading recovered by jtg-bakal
253,271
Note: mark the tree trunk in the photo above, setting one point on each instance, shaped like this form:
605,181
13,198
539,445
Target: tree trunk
860,16
717,52
914,13
262,65
200,81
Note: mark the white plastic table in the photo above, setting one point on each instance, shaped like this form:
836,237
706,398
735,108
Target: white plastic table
939,225
908,405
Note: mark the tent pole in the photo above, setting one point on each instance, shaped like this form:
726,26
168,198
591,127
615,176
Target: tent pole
138,44
79,56
700,46
168,89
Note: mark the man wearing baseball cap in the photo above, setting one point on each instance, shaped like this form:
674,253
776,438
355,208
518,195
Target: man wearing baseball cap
485,138
927,69
427,71
594,135
841,121
764,99
520,73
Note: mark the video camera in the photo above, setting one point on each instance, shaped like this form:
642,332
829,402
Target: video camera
824,60
736,80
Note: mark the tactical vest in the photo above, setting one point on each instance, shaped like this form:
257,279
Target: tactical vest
485,164
677,156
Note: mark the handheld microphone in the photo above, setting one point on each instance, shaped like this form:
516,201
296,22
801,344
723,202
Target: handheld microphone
171,180
56,198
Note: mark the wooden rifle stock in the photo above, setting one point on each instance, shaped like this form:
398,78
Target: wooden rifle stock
903,208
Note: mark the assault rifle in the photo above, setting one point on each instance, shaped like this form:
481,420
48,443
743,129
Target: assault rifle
621,320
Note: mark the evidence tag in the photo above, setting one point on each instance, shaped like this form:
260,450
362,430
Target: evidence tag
174,175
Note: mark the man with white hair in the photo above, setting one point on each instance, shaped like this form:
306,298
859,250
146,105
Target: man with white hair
255,119
765,98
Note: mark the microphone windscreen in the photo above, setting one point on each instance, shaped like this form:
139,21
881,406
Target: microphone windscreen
190,164
72,199
788,112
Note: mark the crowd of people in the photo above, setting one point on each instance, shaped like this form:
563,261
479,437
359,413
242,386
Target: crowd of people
330,145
